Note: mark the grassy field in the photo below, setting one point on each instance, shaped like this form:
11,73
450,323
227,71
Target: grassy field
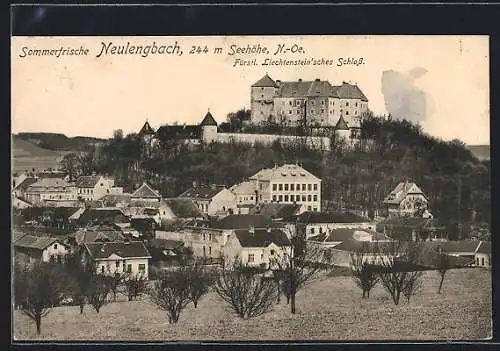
328,309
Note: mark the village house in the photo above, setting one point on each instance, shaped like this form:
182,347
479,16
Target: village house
246,196
105,215
412,228
20,186
406,199
94,187
96,233
313,223
130,257
258,247
50,190
176,208
31,249
145,193
116,200
213,200
289,184
277,212
334,237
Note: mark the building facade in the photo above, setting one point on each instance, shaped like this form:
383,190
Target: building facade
407,199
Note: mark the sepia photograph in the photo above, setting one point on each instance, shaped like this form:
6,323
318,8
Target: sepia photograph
250,188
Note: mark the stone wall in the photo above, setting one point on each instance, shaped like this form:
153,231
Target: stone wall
322,143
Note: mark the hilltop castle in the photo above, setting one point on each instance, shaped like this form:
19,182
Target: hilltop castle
310,103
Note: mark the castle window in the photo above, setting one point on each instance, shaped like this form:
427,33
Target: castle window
292,187
281,187
274,197
347,113
289,112
275,187
286,187
290,103
312,111
262,95
356,104
347,103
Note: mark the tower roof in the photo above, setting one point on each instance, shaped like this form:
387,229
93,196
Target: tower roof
146,129
341,124
265,81
208,120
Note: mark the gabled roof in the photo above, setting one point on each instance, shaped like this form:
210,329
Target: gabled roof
166,244
349,91
146,130
244,188
484,248
262,237
33,242
166,133
264,82
42,183
401,191
145,191
56,212
242,221
344,234
411,223
102,215
87,181
133,249
202,191
183,208
275,210
25,184
112,200
289,172
328,217
208,120
341,124
98,234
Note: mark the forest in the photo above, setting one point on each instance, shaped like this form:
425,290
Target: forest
456,183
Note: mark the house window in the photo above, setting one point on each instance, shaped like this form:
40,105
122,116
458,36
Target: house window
274,197
289,112
59,259
251,258
286,198
290,103
303,187
312,230
356,104
280,198
275,187
55,246
309,198
482,261
315,197
209,251
315,209
309,208
286,187
315,187
322,102
347,113
281,187
117,264
303,198
102,269
347,103
477,261
312,102
312,111
322,110
272,252
129,268
292,187
142,267
309,187
298,111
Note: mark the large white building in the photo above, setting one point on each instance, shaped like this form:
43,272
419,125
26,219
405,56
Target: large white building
288,184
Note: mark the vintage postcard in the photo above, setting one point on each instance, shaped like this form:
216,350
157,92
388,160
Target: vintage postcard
251,188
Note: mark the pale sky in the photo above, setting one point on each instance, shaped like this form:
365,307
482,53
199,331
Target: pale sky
92,96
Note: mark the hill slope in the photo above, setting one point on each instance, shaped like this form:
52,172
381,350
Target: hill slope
27,156
482,152
55,141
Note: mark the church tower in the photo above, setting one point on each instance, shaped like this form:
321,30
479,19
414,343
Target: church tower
208,129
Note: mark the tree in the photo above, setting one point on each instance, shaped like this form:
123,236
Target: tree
246,293
443,265
199,281
114,281
98,291
135,285
363,272
39,291
398,269
80,273
172,293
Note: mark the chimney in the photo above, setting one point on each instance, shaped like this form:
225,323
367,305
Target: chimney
194,184
268,229
103,247
278,83
251,230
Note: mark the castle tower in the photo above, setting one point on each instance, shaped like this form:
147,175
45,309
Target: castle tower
208,129
342,131
262,95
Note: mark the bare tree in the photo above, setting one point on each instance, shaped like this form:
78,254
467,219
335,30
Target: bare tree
443,265
363,271
247,294
80,273
199,281
98,291
135,285
38,291
172,293
115,280
398,269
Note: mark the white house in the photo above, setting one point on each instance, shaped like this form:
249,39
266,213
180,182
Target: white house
93,187
406,200
483,254
246,196
258,247
119,257
34,248
50,189
333,237
212,199
290,184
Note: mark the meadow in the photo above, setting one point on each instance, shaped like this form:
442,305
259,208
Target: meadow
330,308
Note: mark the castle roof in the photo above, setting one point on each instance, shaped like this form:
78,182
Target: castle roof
341,124
166,133
265,81
349,91
208,120
319,88
146,129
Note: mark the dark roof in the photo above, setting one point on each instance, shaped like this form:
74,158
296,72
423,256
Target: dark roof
202,191
87,181
341,124
145,191
344,234
275,210
262,237
111,200
485,248
304,88
98,234
146,130
123,249
54,212
265,81
94,203
105,215
23,186
166,133
208,120
242,221
410,222
457,246
349,91
183,208
33,242
401,191
328,217
166,244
